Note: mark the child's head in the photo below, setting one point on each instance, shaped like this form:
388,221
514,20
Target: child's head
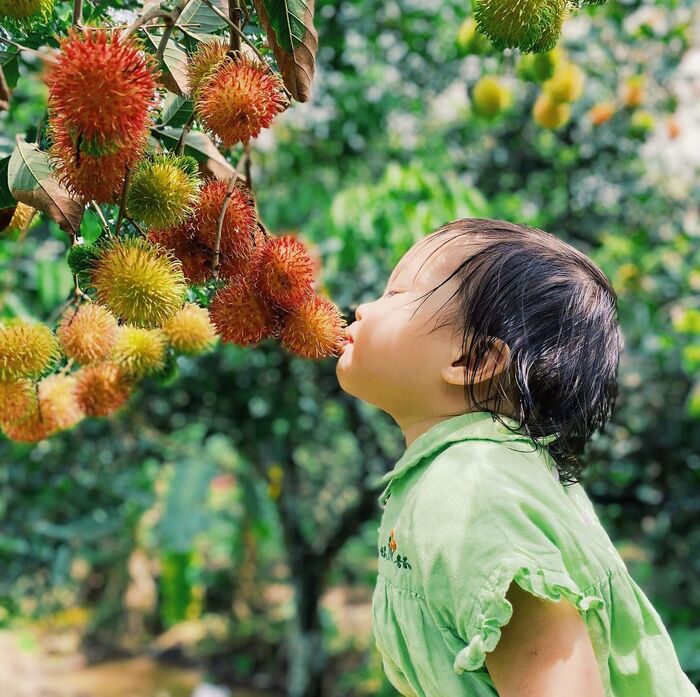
488,315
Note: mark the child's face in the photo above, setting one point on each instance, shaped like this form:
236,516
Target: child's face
393,362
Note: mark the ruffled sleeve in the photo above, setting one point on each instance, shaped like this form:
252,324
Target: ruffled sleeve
491,609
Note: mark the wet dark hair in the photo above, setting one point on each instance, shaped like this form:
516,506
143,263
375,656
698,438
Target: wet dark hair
557,312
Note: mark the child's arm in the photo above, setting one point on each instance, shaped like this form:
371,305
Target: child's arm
544,651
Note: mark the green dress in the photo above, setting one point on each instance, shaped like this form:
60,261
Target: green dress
471,506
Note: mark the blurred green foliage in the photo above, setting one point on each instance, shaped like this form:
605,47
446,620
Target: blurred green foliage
386,151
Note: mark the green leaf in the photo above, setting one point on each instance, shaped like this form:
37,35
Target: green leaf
201,147
289,25
175,61
31,181
198,12
9,62
7,200
176,110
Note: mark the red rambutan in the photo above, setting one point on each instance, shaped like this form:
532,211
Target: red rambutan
102,388
239,222
102,87
314,329
196,257
283,271
240,315
200,64
239,98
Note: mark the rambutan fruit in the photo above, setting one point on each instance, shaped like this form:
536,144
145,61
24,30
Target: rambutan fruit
190,330
599,113
239,98
240,315
550,114
206,59
641,123
314,329
239,221
58,410
26,349
538,67
17,400
522,24
283,271
138,351
22,216
633,91
196,257
80,256
102,388
138,281
103,87
470,40
566,85
490,97
87,332
21,9
161,192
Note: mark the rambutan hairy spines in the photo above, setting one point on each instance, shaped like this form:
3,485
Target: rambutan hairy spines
162,192
102,388
18,399
140,352
314,329
87,333
283,271
240,219
240,316
23,9
138,281
196,257
240,98
26,350
190,330
103,87
204,61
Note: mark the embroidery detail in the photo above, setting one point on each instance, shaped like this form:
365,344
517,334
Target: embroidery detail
400,561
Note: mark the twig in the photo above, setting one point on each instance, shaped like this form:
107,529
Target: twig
122,205
143,19
101,216
139,229
170,21
51,55
220,225
180,148
234,15
247,40
77,12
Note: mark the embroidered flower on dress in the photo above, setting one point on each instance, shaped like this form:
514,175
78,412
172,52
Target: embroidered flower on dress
400,561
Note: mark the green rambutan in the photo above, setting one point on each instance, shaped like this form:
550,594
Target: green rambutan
190,330
138,281
239,98
283,271
102,388
26,349
21,9
101,86
200,64
17,400
240,315
80,256
162,192
57,410
138,351
524,24
87,332
238,229
314,329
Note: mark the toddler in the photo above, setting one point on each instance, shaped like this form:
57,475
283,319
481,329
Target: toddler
495,348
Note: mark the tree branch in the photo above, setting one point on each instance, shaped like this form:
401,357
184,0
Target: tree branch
77,12
220,225
170,21
122,205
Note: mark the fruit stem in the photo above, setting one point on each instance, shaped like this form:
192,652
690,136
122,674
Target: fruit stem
122,205
234,14
77,12
220,225
170,21
180,148
101,216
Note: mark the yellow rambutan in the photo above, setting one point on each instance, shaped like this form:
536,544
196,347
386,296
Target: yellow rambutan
239,223
240,316
200,64
87,332
138,281
601,112
102,388
138,351
21,217
190,330
566,85
21,9
314,329
490,97
283,271
101,86
239,98
57,410
550,114
27,349
524,24
17,400
162,192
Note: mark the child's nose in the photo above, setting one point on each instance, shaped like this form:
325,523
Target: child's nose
359,310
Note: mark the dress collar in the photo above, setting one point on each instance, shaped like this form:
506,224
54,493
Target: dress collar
475,425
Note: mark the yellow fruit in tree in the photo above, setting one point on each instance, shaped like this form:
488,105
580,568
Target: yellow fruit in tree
490,97
566,85
601,112
633,91
471,40
549,114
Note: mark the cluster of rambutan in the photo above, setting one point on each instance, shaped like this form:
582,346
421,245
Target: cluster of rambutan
102,90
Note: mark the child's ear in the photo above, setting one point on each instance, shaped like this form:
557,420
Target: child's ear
492,363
